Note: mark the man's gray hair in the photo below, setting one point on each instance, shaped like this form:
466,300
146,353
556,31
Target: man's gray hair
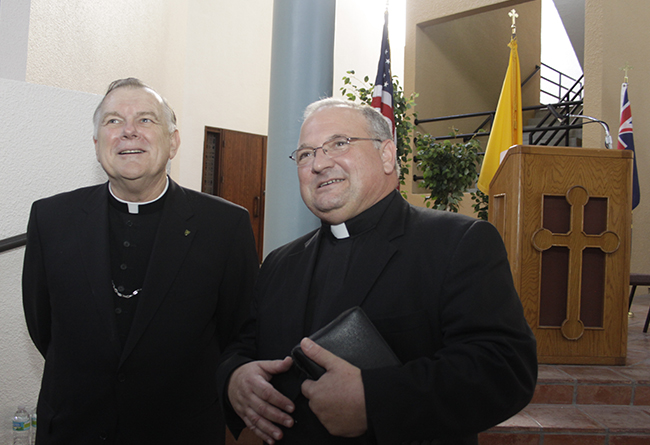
377,124
132,82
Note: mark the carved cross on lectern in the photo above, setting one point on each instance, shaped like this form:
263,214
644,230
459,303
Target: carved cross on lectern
576,240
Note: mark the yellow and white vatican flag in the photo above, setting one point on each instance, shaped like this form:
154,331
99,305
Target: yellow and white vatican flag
507,128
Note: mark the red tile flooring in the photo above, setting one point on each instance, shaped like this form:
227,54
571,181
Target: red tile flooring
588,405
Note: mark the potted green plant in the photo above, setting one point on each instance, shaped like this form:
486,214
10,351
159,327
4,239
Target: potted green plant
448,171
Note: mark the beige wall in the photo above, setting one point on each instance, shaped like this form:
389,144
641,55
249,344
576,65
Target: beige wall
455,58
456,53
461,61
616,34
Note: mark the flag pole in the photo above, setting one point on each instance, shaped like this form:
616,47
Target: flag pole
626,136
514,16
382,94
626,68
507,124
626,142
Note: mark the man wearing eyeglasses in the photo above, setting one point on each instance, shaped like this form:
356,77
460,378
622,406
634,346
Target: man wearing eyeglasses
436,285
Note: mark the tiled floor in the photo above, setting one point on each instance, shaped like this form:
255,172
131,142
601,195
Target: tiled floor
588,405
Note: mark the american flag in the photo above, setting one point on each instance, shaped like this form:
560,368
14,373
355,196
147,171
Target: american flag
382,95
626,140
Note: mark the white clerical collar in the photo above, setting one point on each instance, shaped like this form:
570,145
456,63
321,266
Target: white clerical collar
134,207
340,231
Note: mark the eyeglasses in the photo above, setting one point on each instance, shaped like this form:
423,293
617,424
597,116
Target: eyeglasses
332,148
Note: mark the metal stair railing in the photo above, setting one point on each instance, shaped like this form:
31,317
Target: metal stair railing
575,90
548,129
543,126
13,242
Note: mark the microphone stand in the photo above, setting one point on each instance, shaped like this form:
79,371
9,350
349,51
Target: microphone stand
608,136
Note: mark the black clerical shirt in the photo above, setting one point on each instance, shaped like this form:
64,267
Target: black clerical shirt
333,262
131,242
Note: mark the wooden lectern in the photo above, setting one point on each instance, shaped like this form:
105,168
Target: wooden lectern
565,216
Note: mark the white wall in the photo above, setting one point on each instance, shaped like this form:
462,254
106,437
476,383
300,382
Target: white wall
14,29
84,46
45,148
357,45
226,76
557,52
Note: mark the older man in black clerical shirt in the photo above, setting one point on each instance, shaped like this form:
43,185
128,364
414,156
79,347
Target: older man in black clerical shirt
133,288
436,285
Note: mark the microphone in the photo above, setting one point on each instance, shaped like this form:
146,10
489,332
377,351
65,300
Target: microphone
608,136
554,112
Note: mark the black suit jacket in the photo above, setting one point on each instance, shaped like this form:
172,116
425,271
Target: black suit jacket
438,287
160,388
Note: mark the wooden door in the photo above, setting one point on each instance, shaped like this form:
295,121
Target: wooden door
234,168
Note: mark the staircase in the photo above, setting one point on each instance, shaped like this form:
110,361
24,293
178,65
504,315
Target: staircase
566,95
550,138
588,405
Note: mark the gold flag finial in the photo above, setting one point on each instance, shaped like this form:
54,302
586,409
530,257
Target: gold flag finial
513,15
626,68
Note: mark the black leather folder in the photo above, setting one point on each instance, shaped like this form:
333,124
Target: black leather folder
352,337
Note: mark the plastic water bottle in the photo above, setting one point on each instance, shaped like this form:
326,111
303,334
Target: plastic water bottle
32,434
21,424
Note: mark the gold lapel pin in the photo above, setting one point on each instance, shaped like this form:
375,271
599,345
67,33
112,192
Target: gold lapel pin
187,232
